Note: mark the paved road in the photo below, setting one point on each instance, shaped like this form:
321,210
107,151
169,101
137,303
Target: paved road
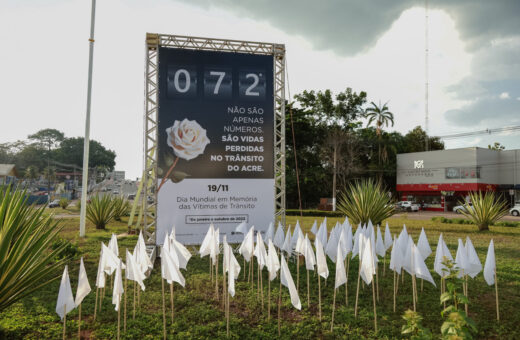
427,215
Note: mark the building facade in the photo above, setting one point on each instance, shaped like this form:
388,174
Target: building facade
440,180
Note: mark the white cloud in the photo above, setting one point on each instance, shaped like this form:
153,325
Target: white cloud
504,95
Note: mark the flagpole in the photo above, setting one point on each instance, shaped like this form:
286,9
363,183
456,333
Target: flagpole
298,273
124,317
346,283
496,294
118,318
357,289
171,300
64,320
467,297
86,140
133,317
79,322
319,296
377,283
280,302
269,299
95,305
257,281
413,292
308,292
262,287
374,302
333,307
216,278
394,291
163,309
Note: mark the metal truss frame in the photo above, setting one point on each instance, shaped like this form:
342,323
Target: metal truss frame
153,42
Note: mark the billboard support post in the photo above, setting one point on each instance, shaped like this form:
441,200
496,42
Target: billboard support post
151,114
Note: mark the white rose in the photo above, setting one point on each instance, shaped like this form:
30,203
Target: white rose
187,139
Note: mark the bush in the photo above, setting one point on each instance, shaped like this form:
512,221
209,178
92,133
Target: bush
70,250
366,200
26,235
319,213
121,207
100,210
64,203
486,210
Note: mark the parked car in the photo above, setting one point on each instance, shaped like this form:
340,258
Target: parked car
515,211
460,208
131,196
54,204
115,192
407,206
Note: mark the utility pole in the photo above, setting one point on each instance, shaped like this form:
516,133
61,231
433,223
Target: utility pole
426,75
86,141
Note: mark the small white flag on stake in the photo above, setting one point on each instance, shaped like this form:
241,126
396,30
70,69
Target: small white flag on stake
368,268
118,287
388,237
474,265
341,275
314,228
380,245
423,245
269,234
442,253
205,247
112,244
141,256
65,301
83,285
321,260
133,272
100,278
241,228
279,238
273,264
233,270
287,281
490,265
287,243
308,252
247,247
461,260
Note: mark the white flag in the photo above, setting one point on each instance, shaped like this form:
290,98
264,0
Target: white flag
205,247
380,245
308,252
111,260
420,270
248,244
214,246
169,269
346,240
287,243
396,258
100,278
279,239
112,245
287,281
269,235
332,245
273,264
321,260
388,237
402,240
241,228
297,234
322,233
314,228
423,245
442,253
133,272
300,245
118,286
83,285
461,260
341,276
183,254
141,256
65,299
260,252
490,265
368,268
474,265
233,270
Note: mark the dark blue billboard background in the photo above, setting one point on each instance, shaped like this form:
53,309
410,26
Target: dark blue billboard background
230,96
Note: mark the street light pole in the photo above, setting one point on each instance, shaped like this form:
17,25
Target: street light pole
86,141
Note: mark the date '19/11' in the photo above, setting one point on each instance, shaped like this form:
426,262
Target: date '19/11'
217,188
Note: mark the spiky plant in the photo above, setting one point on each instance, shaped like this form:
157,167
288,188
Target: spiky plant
27,260
121,207
366,200
487,209
100,210
64,203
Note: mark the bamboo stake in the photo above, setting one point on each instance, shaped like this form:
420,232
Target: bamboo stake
252,274
224,286
394,291
280,303
101,298
249,272
422,284
125,292
244,268
374,302
257,281
357,289
163,310
262,287
346,283
333,307
79,323
95,305
171,300
138,299
308,292
319,296
413,293
443,289
384,264
216,279
467,296
134,302
269,299
64,320
118,321
496,294
298,273
377,284
397,284
210,269
227,312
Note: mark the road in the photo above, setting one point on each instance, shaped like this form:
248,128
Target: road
427,215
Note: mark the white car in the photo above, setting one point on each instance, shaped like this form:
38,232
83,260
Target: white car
407,206
515,211
460,208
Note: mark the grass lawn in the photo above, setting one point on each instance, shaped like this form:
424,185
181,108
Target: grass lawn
198,315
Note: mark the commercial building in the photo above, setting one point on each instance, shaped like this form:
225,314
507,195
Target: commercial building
440,180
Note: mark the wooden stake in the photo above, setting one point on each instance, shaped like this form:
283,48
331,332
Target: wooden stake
413,293
319,297
224,285
163,310
252,273
257,281
374,302
118,321
101,298
134,303
357,289
333,307
210,269
377,284
244,268
496,294
467,296
308,292
394,290
126,292
346,283
64,320
298,273
227,313
384,264
79,323
280,304
171,300
397,284
95,305
422,284
268,299
216,279
261,287
139,299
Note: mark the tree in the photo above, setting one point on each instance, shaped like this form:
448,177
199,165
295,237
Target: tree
496,146
71,152
47,138
415,141
337,115
31,173
380,116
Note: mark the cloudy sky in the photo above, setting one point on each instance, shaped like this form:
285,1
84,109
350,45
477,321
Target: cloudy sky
374,46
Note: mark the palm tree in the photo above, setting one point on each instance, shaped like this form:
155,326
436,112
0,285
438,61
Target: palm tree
381,117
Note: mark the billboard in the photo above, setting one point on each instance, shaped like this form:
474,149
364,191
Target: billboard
215,161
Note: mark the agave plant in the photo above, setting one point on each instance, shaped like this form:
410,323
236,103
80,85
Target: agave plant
366,200
121,207
64,203
100,210
486,209
27,260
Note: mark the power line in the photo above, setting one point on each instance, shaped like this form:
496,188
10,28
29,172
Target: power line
514,128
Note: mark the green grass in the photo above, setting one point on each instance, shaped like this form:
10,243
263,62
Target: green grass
198,315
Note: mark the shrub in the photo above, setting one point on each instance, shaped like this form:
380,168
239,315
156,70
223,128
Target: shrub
414,327
319,213
366,200
26,235
486,209
121,207
64,203
100,210
70,250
